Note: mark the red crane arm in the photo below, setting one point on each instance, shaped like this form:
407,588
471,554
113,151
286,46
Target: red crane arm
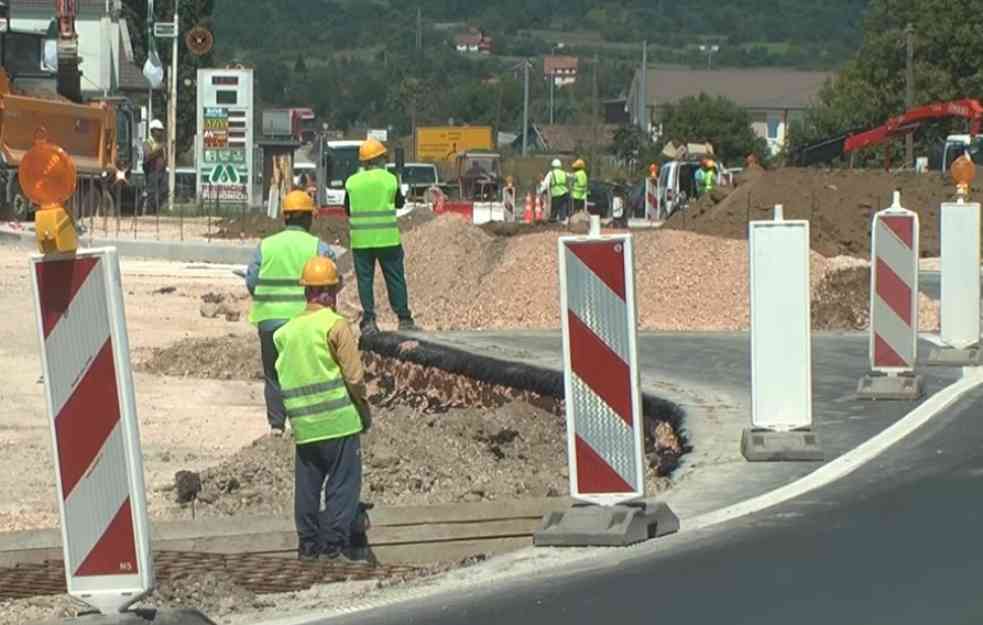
910,120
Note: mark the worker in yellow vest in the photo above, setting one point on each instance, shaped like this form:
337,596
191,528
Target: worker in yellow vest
272,281
580,186
372,197
556,183
323,383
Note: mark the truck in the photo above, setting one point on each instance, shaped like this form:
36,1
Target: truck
445,143
416,179
336,161
299,124
35,96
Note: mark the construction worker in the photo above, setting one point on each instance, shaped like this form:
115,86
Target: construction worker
272,281
580,186
706,177
371,200
555,183
321,373
155,167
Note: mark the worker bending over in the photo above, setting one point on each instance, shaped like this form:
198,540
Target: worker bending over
371,200
272,279
580,186
556,183
321,374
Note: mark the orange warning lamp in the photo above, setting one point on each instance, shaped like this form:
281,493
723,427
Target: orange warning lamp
48,176
963,173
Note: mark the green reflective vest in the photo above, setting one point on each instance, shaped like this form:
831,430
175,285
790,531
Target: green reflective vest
558,183
709,180
372,198
311,384
278,294
579,185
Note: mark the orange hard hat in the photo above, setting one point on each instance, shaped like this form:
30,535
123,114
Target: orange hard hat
320,271
298,202
370,150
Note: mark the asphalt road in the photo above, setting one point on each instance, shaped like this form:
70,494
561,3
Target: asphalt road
895,543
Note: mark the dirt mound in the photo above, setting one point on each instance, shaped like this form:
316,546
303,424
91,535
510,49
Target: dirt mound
461,277
839,203
333,230
214,594
235,357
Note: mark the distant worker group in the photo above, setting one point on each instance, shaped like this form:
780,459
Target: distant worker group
568,192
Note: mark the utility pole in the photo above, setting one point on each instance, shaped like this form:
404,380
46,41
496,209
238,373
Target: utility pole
525,107
172,114
416,87
643,81
909,147
552,78
595,107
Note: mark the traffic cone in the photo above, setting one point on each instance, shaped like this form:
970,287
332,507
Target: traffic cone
527,217
539,208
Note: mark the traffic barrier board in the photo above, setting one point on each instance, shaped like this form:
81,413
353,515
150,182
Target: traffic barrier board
92,413
652,199
604,420
960,307
894,290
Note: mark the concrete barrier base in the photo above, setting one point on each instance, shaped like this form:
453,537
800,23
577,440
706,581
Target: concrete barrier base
891,387
768,446
138,617
952,357
586,525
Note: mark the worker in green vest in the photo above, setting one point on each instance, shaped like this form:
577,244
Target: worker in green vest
580,183
372,197
272,281
324,392
556,183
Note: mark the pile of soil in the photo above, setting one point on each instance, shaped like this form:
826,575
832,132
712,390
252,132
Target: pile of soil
333,230
461,277
840,205
232,357
213,594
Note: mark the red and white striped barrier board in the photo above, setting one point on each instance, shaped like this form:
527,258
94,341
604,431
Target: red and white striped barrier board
604,420
894,291
652,199
98,461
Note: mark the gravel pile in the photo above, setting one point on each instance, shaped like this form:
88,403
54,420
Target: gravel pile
463,277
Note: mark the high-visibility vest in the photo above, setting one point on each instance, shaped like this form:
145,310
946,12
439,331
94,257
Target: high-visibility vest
558,183
311,384
579,185
372,198
278,294
709,180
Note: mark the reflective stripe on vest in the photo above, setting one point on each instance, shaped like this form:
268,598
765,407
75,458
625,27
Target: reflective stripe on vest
372,198
579,185
558,183
312,387
278,294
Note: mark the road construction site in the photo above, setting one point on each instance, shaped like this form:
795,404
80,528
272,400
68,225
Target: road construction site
444,440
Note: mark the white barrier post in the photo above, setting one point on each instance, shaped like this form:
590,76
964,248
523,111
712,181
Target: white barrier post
605,426
893,306
85,354
652,199
960,308
781,352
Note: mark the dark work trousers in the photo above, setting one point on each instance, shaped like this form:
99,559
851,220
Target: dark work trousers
579,206
560,208
275,412
339,461
391,261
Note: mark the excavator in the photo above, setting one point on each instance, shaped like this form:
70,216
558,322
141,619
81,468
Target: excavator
34,95
908,122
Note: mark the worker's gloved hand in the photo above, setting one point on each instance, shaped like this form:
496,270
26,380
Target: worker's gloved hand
365,413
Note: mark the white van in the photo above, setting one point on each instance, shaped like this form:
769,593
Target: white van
677,185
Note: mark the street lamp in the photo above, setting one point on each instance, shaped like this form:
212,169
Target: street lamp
709,50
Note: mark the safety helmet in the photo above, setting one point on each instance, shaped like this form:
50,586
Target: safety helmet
711,164
654,170
298,202
556,163
320,271
156,125
579,164
370,150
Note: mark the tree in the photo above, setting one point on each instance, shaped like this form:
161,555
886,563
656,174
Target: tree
870,89
300,66
718,121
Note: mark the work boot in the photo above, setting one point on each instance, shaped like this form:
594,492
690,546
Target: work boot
369,328
335,556
408,325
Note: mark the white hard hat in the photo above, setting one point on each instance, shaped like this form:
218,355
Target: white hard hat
156,125
557,163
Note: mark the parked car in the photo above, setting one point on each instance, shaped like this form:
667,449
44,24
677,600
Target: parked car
599,198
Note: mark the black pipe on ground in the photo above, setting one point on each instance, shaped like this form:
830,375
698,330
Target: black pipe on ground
523,377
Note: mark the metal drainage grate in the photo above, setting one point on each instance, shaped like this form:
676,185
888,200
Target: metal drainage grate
259,574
